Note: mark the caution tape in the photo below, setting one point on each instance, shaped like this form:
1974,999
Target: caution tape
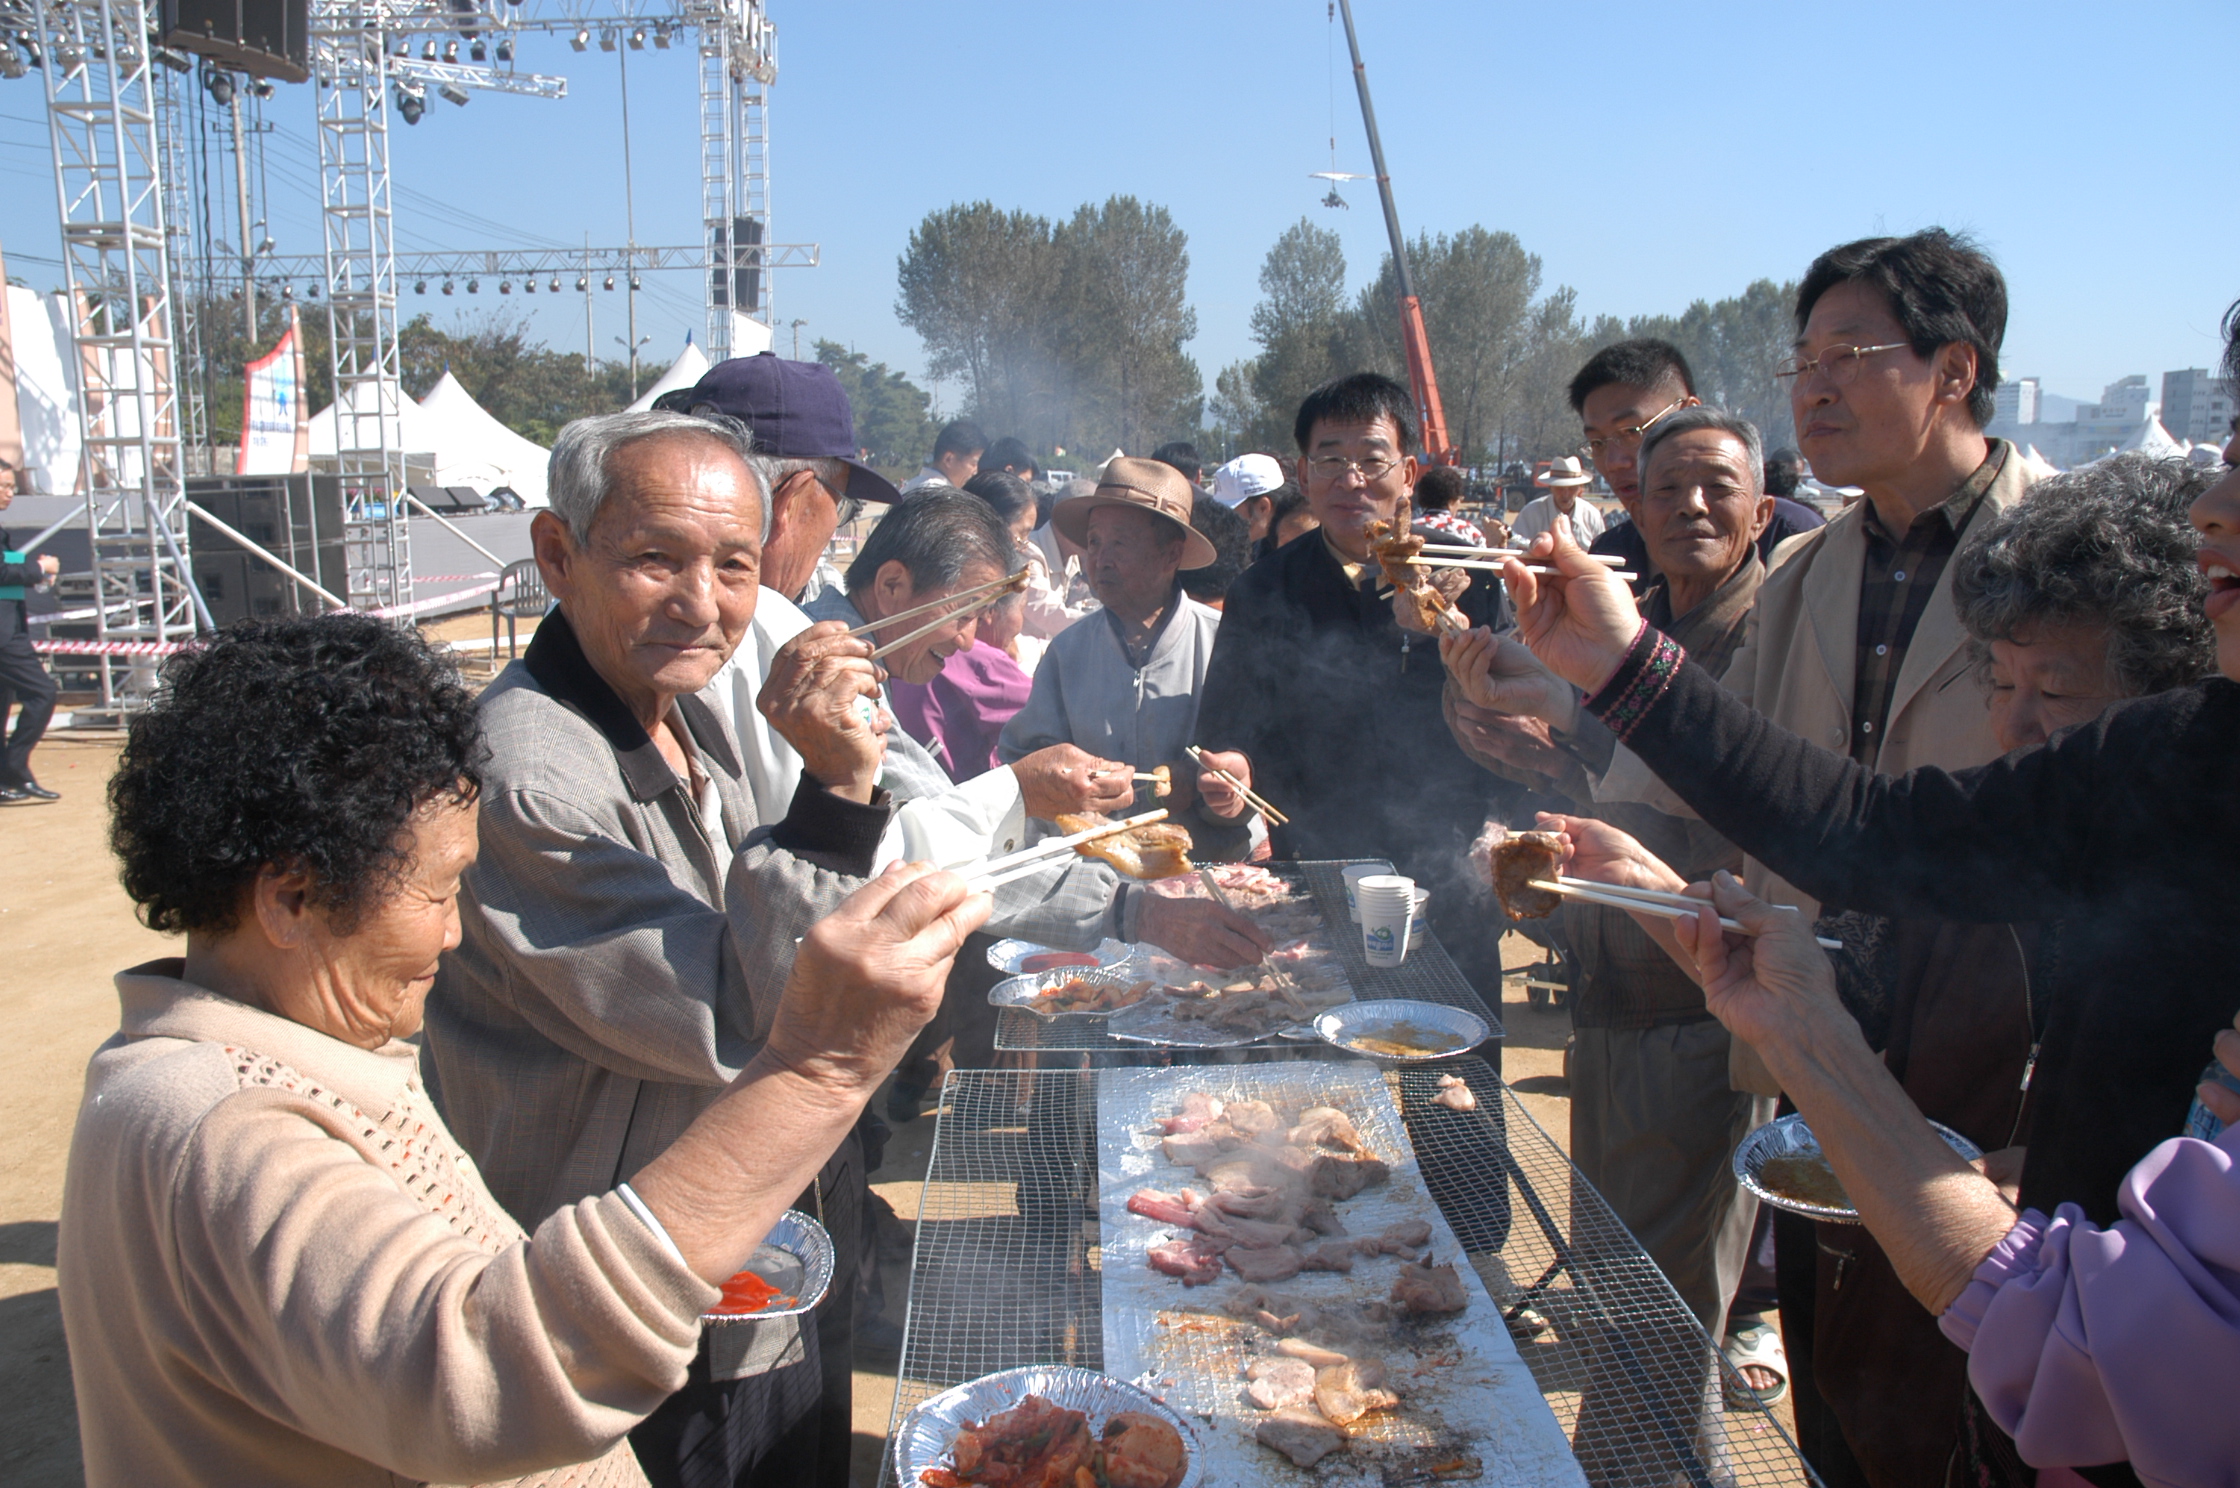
111,648
453,578
391,612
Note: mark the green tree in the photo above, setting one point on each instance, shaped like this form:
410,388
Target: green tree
1477,289
892,423
1302,327
1732,345
1125,297
980,285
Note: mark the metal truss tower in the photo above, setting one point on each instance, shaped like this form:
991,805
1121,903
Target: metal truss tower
102,106
349,48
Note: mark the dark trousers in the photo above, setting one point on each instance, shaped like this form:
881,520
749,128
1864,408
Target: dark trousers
23,677
790,1427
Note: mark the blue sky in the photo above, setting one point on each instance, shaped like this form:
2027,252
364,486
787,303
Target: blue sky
1649,153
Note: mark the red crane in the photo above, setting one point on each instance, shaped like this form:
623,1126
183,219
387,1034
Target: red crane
1414,342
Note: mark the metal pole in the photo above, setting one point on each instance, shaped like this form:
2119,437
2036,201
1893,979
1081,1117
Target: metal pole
248,249
630,220
258,551
426,510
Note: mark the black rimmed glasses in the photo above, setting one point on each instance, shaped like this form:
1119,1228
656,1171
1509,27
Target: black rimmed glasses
1839,364
1329,468
1593,449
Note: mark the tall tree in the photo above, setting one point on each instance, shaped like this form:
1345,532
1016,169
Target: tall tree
1300,324
1477,289
979,285
1124,289
893,424
1732,345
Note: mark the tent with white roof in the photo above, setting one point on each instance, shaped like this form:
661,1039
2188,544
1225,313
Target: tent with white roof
2038,465
473,449
403,427
686,370
2153,439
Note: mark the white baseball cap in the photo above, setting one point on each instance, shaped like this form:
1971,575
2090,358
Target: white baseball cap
1245,477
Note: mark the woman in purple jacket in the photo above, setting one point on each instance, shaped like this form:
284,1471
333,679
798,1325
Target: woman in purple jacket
2088,1344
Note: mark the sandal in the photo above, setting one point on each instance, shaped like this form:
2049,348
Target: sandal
1758,1346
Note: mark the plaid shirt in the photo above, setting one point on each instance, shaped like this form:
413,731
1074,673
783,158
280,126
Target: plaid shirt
1901,573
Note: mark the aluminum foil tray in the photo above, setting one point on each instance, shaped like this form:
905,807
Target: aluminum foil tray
796,1258
1790,1137
923,1439
1025,992
1341,1026
1006,955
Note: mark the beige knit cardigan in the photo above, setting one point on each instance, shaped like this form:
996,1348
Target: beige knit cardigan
277,1267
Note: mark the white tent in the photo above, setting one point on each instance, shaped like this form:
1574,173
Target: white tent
2038,465
686,370
473,449
404,429
2153,439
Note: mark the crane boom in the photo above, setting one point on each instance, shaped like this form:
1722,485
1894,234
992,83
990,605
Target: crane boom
1415,343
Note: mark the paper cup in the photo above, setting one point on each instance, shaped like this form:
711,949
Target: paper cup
1387,904
1353,876
1419,921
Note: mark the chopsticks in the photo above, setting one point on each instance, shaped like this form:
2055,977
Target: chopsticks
997,872
973,607
1538,568
1287,989
914,611
1255,802
1648,901
1607,560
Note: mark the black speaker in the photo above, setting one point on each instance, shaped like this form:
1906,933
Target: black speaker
263,38
296,518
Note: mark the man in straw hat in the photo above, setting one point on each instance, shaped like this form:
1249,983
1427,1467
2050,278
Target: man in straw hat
1124,685
1565,480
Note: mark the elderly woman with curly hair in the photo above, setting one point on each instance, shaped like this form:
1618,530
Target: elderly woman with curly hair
276,1264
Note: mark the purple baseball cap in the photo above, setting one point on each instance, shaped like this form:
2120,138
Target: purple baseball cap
796,411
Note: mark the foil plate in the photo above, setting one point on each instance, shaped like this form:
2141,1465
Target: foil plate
1007,955
1341,1026
924,1438
796,1258
1152,1021
1790,1137
1025,992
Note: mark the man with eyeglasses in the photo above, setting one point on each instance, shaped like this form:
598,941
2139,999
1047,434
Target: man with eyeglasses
1323,699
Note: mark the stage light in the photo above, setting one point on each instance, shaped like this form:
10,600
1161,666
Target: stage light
474,286
447,286
11,60
452,93
554,286
220,83
505,286
428,50
661,36
505,47
529,285
610,281
287,291
637,38
311,290
478,52
451,51
70,57
262,87
583,283
606,39
411,102
634,284
419,286
580,40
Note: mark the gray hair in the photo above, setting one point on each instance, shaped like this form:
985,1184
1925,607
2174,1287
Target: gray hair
775,470
1704,416
936,533
577,481
2109,544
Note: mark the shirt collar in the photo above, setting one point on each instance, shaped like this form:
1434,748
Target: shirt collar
1955,509
1352,570
555,659
158,1002
1175,601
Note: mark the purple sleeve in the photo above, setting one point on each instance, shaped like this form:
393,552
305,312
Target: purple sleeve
918,712
2091,1346
979,690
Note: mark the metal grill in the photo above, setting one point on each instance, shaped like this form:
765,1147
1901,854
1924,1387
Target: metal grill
1006,1272
1428,975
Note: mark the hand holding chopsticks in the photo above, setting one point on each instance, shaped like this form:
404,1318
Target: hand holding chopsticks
1662,902
1275,817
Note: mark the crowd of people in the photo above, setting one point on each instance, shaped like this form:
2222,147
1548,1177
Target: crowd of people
508,1025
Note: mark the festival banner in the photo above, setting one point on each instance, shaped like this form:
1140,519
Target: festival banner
275,425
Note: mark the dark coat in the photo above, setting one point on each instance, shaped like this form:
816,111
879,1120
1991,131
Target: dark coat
1339,710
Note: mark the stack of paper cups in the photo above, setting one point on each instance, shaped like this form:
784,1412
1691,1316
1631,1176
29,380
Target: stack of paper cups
1419,924
1353,875
1387,902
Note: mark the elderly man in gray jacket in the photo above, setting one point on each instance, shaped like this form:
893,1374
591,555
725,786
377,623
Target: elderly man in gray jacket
630,922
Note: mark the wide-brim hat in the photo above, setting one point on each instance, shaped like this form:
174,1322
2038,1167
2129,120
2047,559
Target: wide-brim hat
1564,471
795,410
1146,485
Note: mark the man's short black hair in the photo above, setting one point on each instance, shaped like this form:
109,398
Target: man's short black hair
1643,363
1183,456
1232,548
2232,345
935,533
1008,494
1784,469
1010,453
1941,288
1439,488
959,437
1360,399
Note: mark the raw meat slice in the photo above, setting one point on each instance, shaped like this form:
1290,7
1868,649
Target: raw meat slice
1299,1434
1455,1094
1196,1259
1327,1126
1260,1202
1319,1216
1198,1108
1313,1354
1279,1382
1404,1236
1337,1178
1346,1392
1251,1117
1177,1208
1192,1148
1423,1289
1330,1255
1264,1263
1258,1234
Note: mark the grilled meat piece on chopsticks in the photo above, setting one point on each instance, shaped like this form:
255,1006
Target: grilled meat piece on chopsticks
1397,550
1155,850
1517,861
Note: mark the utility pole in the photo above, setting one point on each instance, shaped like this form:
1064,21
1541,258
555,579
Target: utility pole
1413,338
797,325
630,220
241,190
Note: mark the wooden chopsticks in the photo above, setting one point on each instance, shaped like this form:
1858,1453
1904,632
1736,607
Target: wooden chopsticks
996,872
1538,568
1648,901
1255,802
914,611
1607,560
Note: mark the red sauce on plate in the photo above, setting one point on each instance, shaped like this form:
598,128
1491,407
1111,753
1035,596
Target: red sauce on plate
746,1294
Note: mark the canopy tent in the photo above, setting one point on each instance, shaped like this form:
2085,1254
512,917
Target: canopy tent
473,449
2153,439
686,370
2038,465
403,428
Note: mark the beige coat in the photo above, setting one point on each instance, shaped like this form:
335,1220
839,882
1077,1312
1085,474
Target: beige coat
277,1267
1799,665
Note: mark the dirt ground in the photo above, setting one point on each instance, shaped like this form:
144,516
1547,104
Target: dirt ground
68,928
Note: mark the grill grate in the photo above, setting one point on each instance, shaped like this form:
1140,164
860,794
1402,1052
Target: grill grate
1428,975
1006,1272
